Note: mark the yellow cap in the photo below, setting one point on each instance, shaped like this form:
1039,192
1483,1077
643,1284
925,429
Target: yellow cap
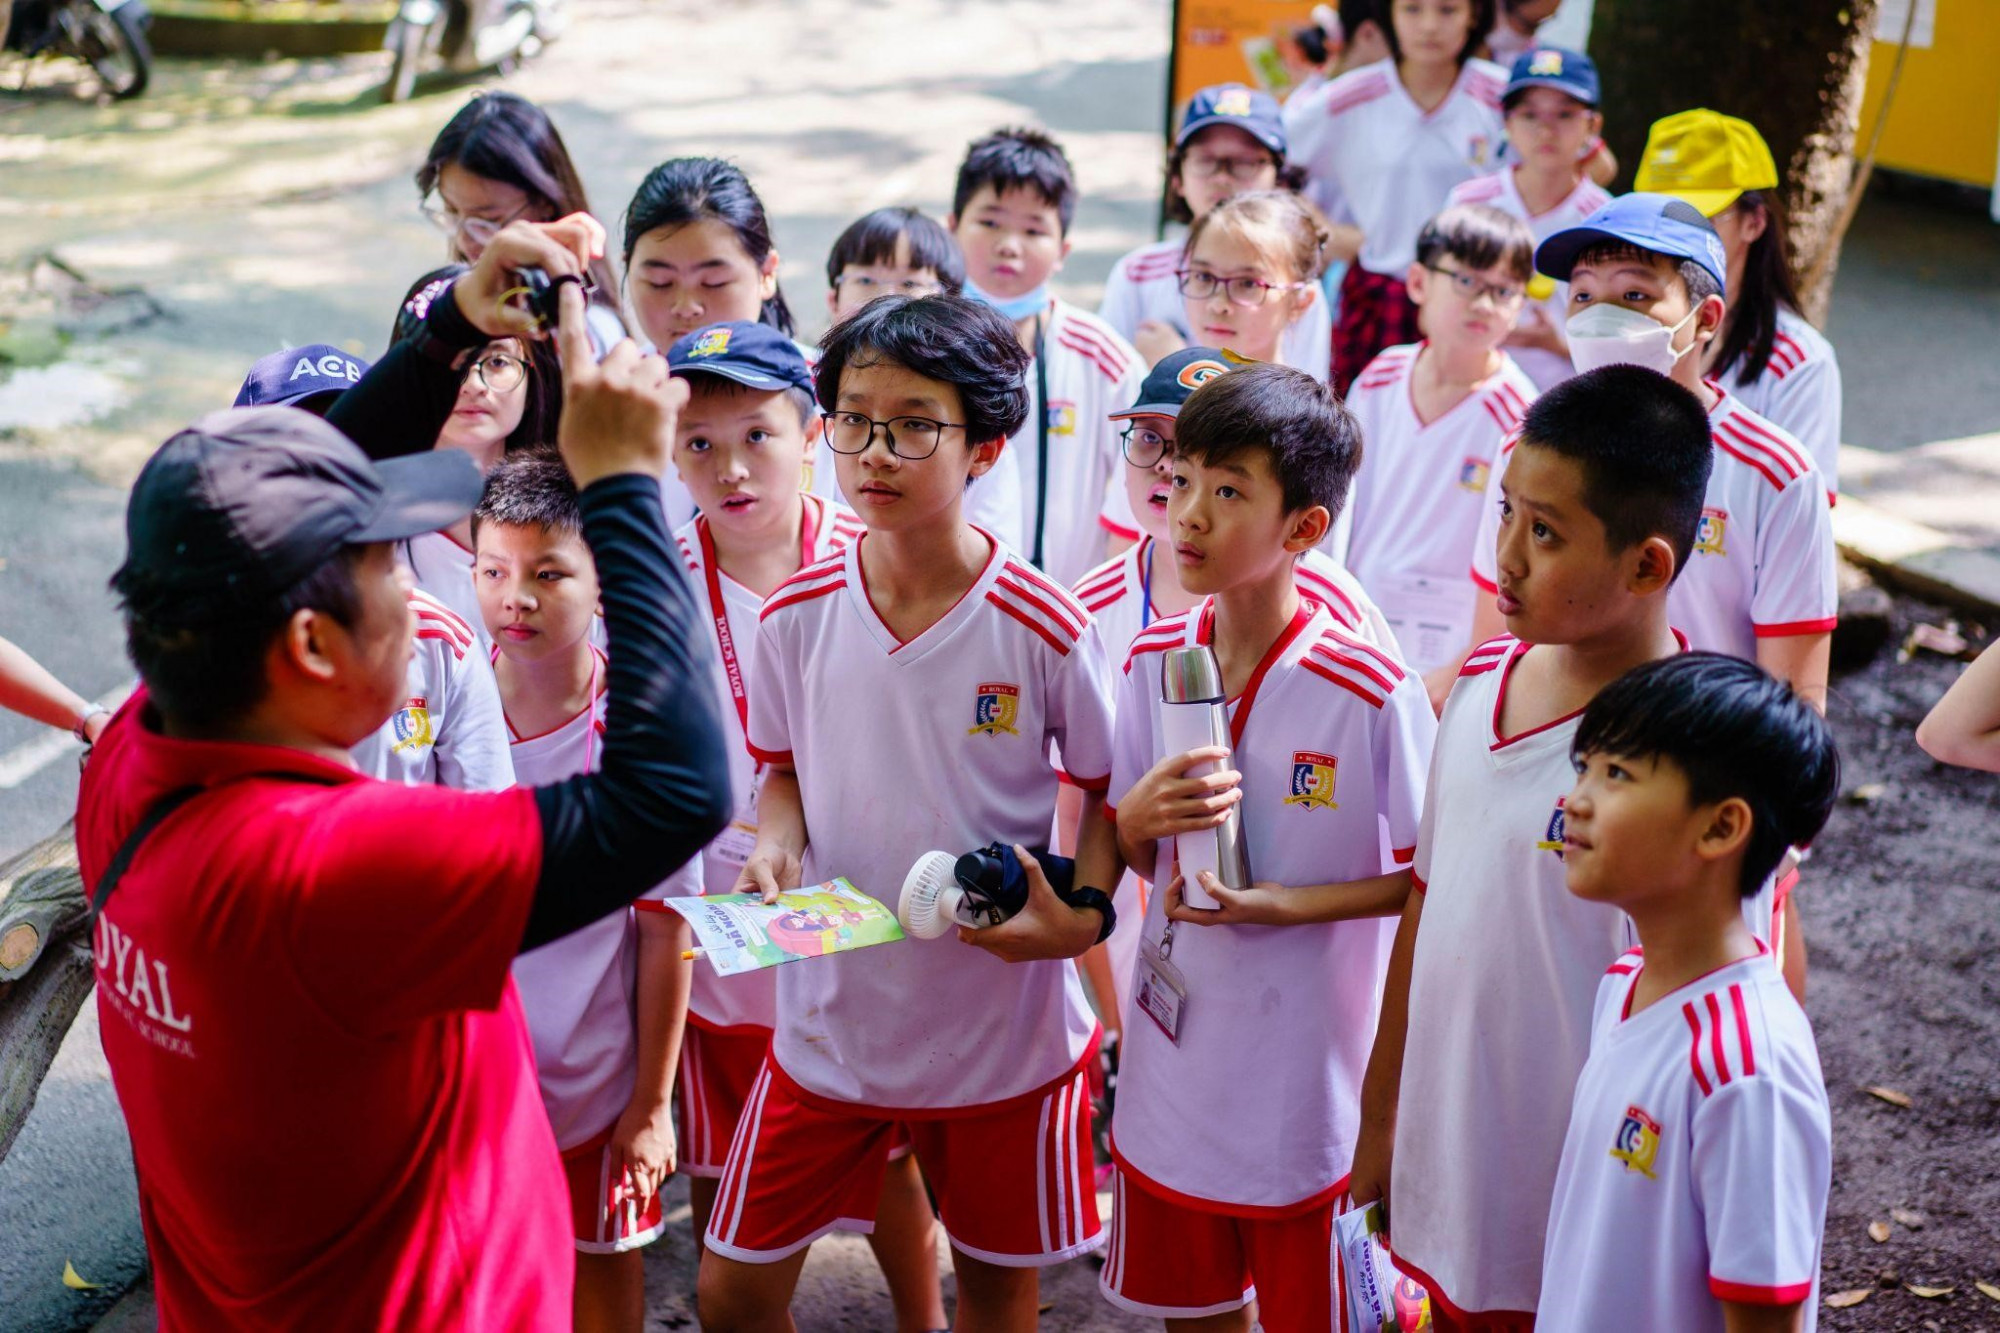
1706,158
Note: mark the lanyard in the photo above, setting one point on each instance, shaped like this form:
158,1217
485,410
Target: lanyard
1145,582
1042,441
725,642
1239,716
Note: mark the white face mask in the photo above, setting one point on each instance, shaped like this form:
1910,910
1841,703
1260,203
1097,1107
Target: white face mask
1604,334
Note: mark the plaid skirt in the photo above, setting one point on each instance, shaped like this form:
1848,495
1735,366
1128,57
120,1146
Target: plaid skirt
1375,313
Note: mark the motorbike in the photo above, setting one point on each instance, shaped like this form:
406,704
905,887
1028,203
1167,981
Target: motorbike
107,35
466,35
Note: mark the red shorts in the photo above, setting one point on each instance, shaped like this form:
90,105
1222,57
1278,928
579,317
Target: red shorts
1170,1261
1012,1181
717,1071
608,1220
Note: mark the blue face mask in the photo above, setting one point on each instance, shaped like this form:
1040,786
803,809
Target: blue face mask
1015,308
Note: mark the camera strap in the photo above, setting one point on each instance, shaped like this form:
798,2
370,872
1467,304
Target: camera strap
1042,439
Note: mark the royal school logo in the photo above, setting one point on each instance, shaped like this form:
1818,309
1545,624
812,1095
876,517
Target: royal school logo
1061,417
1233,102
1638,1142
994,707
1478,150
1472,475
1708,537
412,723
1197,373
1552,838
1312,780
1547,64
712,343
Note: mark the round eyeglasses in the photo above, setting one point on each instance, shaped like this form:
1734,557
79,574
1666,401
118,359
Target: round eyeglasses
908,437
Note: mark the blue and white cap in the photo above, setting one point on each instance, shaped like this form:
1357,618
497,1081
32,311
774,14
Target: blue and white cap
1661,223
755,355
299,373
1248,109
1569,72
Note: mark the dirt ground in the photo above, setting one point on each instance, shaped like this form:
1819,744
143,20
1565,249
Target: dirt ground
1902,914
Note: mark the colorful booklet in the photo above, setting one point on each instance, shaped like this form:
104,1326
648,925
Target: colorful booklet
739,932
1380,1299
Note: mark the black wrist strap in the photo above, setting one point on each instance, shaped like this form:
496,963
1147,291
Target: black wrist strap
1086,897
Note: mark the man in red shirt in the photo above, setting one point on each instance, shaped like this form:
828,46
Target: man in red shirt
303,973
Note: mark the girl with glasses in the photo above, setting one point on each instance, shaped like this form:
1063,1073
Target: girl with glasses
1248,276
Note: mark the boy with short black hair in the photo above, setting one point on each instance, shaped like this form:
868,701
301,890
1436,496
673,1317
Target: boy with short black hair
1495,965
739,446
890,252
1550,110
1434,414
1329,740
904,698
1700,1133
1010,212
605,1005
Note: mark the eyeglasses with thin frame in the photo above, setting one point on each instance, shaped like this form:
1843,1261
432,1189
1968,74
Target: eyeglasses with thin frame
499,372
1201,284
1144,448
871,287
1230,168
1472,288
480,231
909,438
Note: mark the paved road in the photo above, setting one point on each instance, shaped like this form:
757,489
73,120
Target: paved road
268,204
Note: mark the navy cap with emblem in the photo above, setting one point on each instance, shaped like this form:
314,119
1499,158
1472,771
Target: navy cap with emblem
1247,109
755,355
308,377
1168,384
247,501
1569,72
1661,223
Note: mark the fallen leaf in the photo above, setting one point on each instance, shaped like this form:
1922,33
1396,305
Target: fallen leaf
75,1282
1840,1300
1928,1293
1890,1095
1988,1289
1905,1218
1867,793
1878,1232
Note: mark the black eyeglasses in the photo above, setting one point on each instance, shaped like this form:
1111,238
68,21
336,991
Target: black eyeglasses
1472,288
908,437
1201,284
1144,448
501,372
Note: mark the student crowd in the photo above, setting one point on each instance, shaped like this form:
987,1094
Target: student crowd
1512,546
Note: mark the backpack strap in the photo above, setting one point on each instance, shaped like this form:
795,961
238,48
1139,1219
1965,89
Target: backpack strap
151,820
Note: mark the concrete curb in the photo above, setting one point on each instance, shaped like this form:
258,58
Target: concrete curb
1890,539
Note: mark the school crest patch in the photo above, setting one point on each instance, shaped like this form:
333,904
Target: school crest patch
1061,417
1552,837
1713,530
995,705
412,724
1313,779
1472,475
1638,1142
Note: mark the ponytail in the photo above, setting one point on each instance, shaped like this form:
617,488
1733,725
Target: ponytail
1766,288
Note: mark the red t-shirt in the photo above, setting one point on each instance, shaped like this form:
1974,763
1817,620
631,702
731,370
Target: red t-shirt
305,1000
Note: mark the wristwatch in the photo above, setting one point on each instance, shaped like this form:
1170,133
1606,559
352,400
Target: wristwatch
82,728
1088,897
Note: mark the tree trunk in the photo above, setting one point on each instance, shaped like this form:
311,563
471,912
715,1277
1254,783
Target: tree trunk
45,969
1793,70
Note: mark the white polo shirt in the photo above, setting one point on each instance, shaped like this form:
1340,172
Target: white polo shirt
749,1000
443,569
1332,738
1798,391
1417,501
578,992
901,748
1501,190
1700,1139
1371,153
1763,560
1506,965
1092,372
449,730
1143,285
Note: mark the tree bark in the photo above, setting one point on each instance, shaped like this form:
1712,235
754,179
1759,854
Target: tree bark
1793,70
45,969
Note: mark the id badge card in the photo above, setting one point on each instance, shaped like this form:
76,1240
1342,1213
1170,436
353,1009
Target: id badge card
735,843
1432,617
1162,994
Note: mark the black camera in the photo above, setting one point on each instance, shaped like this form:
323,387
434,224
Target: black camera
541,294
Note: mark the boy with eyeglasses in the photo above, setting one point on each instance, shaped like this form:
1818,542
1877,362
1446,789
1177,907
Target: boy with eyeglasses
905,697
1434,414
1011,210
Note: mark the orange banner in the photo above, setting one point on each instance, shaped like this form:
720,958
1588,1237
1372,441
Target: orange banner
1234,41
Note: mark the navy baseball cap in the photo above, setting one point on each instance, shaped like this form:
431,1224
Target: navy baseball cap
247,501
297,374
1168,384
1569,72
755,355
1661,223
1248,109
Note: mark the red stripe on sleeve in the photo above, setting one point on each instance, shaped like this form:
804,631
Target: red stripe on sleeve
1791,627
1485,585
1037,626
1418,883
1403,855
1694,1050
781,757
1745,1293
1743,1031
1715,1038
